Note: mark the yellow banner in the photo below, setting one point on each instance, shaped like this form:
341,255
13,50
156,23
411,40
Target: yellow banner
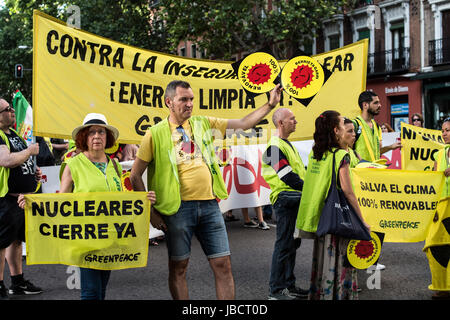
419,147
97,230
436,247
76,72
399,203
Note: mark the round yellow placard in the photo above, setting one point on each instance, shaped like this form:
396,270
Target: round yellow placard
302,77
126,182
113,148
257,72
362,254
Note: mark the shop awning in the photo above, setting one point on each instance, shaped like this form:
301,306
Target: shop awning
431,75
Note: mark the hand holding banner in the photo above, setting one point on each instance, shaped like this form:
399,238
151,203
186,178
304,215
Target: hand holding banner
97,230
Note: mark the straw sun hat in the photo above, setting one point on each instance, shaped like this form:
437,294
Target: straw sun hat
96,119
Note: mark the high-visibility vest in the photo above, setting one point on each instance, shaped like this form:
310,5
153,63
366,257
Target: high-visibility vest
88,178
442,164
315,189
369,146
162,172
271,177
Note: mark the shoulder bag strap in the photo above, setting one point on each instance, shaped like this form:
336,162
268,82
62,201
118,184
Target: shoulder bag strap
333,174
116,168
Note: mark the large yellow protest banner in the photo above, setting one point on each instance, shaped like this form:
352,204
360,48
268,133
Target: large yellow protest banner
419,147
76,72
399,203
97,230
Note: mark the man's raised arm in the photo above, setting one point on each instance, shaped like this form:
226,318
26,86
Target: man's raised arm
252,119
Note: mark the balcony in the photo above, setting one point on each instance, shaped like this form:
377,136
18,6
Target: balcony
390,61
439,51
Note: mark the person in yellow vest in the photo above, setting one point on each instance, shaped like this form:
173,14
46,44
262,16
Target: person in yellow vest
182,168
331,275
437,244
284,171
349,141
442,162
18,174
368,142
93,171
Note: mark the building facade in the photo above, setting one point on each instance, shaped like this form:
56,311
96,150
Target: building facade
408,56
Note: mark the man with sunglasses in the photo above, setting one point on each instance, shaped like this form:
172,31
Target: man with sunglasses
18,175
179,156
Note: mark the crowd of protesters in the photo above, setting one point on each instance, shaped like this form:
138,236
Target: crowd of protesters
181,209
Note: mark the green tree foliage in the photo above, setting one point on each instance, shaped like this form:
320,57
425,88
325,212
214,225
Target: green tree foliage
226,26
126,21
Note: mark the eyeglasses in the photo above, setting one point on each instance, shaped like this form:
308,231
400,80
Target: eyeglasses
8,108
101,132
180,129
415,119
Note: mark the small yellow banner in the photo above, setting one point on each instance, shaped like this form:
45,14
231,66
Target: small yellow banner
97,230
399,203
419,147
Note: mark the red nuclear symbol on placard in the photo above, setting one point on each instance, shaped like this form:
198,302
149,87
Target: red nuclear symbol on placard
364,249
259,73
302,76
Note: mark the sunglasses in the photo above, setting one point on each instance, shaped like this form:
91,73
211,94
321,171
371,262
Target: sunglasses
8,108
185,137
416,119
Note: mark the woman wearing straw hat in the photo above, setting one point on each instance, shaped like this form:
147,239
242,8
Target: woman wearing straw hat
93,171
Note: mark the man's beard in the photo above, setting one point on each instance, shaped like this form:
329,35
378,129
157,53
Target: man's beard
372,112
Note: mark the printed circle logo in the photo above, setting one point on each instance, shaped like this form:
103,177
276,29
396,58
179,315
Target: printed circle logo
302,77
364,249
126,181
257,72
362,254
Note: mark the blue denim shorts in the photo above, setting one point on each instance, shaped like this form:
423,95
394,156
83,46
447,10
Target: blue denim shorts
202,218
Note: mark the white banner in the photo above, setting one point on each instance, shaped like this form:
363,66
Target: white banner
242,173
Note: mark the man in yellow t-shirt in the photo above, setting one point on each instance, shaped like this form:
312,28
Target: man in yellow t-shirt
192,170
198,212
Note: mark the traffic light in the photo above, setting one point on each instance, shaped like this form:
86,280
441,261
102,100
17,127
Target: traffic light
18,71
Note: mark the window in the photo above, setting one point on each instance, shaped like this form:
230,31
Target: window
398,39
194,51
334,41
364,34
308,49
183,52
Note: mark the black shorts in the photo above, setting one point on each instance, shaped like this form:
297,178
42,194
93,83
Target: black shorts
12,221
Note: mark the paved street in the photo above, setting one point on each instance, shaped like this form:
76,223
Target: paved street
406,276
